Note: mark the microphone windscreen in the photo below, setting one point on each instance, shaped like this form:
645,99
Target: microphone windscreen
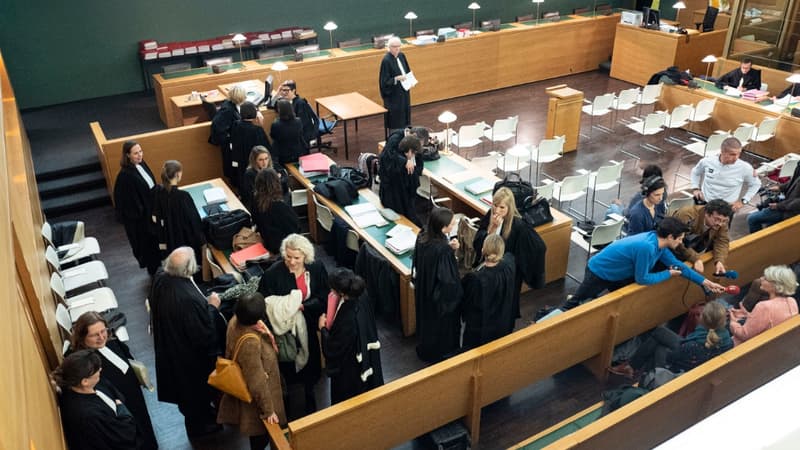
732,274
732,289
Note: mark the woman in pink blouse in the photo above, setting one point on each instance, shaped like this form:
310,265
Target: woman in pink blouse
779,283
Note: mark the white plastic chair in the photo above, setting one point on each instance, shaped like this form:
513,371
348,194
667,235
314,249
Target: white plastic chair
626,100
703,110
600,106
650,95
787,169
324,215
81,247
605,178
502,130
679,118
547,151
470,136
352,241
546,190
678,203
766,130
602,235
99,299
710,147
78,276
744,133
572,188
652,124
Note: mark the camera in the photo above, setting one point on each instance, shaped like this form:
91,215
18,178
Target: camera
769,196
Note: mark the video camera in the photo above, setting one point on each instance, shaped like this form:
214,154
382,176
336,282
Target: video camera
769,196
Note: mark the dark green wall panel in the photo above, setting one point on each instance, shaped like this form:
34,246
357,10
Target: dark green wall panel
59,51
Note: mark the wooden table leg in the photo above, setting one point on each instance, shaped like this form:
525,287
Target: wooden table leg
408,308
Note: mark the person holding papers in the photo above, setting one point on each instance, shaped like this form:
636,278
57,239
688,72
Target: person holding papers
396,98
92,411
274,218
437,288
744,78
399,168
287,135
91,332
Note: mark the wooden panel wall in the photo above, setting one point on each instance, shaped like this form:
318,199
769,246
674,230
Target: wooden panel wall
28,335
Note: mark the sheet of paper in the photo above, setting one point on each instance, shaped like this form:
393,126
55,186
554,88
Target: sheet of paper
410,81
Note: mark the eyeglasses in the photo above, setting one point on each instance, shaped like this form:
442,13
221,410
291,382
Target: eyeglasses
102,332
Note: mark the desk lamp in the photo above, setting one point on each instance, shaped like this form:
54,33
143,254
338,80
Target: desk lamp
279,67
794,79
329,27
239,39
518,151
474,6
410,16
538,4
710,59
447,118
679,6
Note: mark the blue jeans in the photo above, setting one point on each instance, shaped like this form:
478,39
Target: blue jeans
591,287
764,218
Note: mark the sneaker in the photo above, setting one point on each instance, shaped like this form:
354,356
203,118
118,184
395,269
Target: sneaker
624,370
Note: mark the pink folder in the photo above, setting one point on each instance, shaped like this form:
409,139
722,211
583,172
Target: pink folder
315,162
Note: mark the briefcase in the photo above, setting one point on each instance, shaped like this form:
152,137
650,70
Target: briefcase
220,228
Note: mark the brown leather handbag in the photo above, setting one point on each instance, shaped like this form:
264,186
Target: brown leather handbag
227,376
245,238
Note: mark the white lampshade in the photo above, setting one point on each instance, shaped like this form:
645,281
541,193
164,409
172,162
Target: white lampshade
519,151
794,78
538,1
447,117
238,38
330,26
679,5
474,5
410,16
709,59
279,66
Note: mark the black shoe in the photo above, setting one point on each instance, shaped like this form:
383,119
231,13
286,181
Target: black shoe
209,428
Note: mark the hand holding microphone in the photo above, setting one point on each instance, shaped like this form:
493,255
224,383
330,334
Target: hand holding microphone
731,274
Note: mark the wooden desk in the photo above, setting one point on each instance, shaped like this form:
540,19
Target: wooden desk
188,110
493,61
373,236
196,191
639,53
350,106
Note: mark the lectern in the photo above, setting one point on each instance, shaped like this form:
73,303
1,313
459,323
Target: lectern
564,114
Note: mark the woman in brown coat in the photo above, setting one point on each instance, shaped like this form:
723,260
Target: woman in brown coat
258,360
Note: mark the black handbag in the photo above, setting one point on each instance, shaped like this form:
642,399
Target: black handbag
520,188
536,211
351,174
221,228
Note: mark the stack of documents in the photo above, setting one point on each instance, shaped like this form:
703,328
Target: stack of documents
214,196
365,215
315,164
755,95
401,239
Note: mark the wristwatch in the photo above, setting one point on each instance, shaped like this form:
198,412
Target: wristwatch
745,201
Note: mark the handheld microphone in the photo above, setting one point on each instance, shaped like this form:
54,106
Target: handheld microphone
732,274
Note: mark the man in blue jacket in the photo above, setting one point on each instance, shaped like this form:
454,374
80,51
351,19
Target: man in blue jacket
631,260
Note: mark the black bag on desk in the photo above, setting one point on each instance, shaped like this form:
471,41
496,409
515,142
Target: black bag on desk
340,190
352,174
520,188
220,228
536,211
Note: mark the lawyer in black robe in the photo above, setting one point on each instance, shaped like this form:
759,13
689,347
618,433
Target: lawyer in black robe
178,223
186,344
437,290
287,135
221,124
133,203
274,218
279,280
395,99
748,77
398,188
245,134
488,299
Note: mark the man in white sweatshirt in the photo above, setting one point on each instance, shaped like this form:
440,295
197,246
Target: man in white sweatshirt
723,176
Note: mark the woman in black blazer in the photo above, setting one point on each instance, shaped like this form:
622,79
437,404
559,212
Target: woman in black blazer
287,135
274,218
246,133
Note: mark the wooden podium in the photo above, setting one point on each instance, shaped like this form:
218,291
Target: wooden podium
564,114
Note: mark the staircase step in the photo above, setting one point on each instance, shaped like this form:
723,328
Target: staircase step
71,184
75,202
68,171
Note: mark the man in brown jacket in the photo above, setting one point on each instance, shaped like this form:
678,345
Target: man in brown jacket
708,230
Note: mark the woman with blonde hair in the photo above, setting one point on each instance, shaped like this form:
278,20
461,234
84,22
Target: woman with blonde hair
779,283
175,216
221,125
488,295
521,240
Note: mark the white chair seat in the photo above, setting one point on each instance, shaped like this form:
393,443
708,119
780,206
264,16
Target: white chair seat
470,135
84,275
652,124
99,299
87,248
571,188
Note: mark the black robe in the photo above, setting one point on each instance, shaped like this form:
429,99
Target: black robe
275,224
128,385
529,252
89,424
794,89
185,340
308,118
248,184
244,136
395,99
752,79
133,202
277,280
438,299
398,188
287,141
221,125
177,221
488,299
342,343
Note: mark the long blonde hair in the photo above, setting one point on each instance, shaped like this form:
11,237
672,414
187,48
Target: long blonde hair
506,197
713,318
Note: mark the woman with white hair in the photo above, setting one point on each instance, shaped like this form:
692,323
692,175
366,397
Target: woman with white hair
297,270
396,99
779,283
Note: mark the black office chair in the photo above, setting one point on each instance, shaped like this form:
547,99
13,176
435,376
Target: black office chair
709,18
267,100
325,127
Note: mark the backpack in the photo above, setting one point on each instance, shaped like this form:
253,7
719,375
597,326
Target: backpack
520,188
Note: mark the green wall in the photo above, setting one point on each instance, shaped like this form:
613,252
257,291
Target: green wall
59,51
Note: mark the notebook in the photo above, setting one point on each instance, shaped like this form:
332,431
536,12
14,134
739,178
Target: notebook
254,252
479,187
